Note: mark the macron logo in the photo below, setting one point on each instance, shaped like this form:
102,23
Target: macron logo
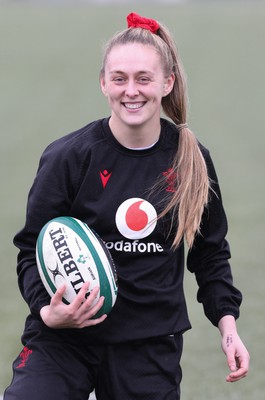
105,175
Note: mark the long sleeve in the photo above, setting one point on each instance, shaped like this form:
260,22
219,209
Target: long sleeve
50,195
209,258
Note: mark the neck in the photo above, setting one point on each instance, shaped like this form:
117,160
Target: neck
135,136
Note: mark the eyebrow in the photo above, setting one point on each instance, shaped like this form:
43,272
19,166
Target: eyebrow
137,73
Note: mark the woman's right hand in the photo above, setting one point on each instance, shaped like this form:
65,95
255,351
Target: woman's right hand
78,314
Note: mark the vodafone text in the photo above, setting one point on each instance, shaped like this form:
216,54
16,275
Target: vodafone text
134,247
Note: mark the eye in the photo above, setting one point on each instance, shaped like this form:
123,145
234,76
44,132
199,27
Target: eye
143,80
119,79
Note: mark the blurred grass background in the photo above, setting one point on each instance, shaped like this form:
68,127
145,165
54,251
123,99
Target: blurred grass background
49,62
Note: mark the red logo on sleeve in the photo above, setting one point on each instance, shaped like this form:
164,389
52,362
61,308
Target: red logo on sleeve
24,356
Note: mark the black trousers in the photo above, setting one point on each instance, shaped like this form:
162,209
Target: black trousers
52,366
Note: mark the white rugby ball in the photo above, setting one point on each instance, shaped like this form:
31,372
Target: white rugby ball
68,251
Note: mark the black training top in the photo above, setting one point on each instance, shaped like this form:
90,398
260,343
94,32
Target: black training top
90,176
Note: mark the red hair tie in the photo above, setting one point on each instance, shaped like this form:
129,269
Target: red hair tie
136,21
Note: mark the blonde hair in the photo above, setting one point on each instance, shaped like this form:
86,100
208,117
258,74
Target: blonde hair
191,186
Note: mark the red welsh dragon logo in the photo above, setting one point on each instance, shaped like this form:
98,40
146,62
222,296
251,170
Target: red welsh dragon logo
24,355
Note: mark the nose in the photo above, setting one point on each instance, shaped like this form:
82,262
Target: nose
131,88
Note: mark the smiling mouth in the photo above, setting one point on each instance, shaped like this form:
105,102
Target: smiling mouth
133,106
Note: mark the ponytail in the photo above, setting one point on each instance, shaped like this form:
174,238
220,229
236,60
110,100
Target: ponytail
191,188
189,167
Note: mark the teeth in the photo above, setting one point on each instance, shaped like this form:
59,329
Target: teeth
133,106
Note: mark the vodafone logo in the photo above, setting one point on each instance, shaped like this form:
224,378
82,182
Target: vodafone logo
136,218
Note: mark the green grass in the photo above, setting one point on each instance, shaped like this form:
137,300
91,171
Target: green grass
49,63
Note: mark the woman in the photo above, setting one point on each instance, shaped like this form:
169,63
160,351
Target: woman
144,184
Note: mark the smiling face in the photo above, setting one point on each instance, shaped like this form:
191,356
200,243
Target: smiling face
134,84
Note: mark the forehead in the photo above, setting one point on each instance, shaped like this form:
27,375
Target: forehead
134,56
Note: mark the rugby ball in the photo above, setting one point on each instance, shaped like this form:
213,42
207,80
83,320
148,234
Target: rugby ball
68,251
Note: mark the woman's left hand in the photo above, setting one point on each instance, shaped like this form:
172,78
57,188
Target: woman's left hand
234,349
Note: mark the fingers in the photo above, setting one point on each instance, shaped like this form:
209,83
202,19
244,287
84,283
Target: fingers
237,375
84,299
239,365
58,295
89,308
239,369
84,307
78,314
231,361
81,296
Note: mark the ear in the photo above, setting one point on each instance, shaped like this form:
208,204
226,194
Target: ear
103,84
168,85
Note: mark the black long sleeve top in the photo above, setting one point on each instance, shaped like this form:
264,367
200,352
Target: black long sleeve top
90,176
